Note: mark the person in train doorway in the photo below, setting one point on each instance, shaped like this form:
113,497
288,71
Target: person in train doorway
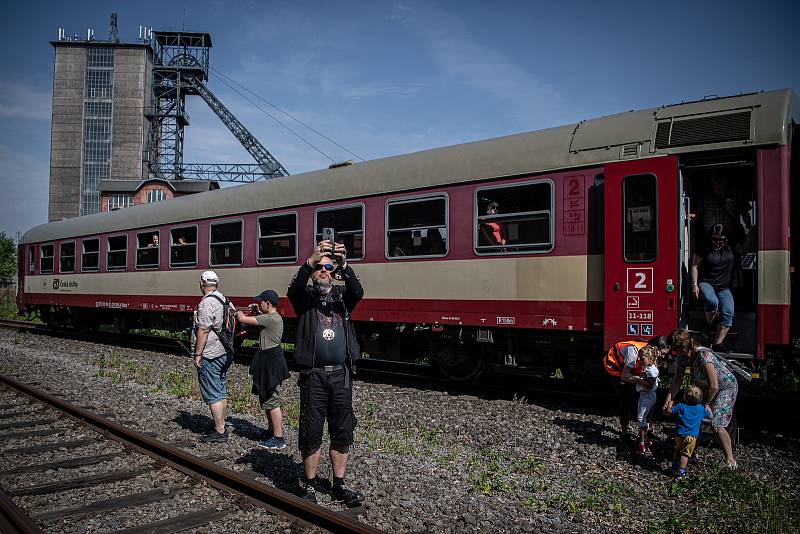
624,356
722,205
268,367
211,358
326,351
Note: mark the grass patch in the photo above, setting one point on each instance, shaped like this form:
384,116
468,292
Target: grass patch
391,442
733,502
291,413
594,495
178,383
241,399
490,472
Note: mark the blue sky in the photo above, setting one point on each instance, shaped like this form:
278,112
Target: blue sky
391,77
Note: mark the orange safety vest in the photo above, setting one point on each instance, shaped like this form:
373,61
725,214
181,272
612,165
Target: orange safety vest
614,363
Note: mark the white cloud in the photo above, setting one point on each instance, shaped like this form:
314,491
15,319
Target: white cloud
21,101
381,91
486,69
24,180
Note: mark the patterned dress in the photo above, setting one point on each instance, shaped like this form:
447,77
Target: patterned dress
722,405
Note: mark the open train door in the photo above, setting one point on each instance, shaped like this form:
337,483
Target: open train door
641,283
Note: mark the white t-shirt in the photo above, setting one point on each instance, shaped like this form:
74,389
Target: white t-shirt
208,314
651,371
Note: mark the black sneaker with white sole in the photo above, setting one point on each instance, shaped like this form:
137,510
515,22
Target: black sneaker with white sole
350,497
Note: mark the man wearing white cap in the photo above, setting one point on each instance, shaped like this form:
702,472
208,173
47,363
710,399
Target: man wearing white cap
210,356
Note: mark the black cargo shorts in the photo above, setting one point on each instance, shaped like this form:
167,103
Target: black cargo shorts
326,395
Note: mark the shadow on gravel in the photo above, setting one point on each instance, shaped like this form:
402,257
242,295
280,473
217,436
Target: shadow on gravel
593,433
246,429
199,424
281,469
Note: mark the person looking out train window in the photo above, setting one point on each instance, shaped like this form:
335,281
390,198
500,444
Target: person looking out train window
492,232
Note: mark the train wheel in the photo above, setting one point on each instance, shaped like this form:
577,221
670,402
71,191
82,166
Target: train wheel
459,363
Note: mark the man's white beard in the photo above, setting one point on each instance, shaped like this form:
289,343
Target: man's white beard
323,287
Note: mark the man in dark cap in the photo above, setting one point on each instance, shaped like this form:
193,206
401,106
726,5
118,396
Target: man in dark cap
326,353
268,366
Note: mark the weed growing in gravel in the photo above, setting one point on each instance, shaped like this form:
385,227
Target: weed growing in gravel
178,383
490,472
291,412
735,502
372,410
397,442
595,495
528,465
241,399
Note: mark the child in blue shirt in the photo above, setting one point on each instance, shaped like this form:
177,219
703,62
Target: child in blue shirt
687,427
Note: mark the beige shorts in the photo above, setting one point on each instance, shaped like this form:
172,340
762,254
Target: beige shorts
685,445
275,400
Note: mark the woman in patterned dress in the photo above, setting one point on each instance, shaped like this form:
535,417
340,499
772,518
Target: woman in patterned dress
712,376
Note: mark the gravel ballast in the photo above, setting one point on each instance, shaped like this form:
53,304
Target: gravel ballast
426,460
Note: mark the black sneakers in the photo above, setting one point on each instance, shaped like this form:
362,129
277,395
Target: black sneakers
215,437
308,492
720,347
350,497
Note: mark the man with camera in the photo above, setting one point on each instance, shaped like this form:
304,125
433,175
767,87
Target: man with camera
326,350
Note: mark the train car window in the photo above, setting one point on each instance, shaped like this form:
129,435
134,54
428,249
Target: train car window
514,219
348,222
183,247
46,259
416,227
117,252
90,260
31,258
147,250
225,243
639,218
277,238
66,257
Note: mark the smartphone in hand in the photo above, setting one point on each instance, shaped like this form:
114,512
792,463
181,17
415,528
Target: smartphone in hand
329,235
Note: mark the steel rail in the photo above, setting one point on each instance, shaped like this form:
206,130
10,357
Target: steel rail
13,520
191,465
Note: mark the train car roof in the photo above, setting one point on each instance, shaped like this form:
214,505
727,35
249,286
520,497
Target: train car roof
744,120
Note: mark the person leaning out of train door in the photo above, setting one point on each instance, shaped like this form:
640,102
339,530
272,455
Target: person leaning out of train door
210,356
268,367
326,351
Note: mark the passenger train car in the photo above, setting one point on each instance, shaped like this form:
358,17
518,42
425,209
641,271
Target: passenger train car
518,254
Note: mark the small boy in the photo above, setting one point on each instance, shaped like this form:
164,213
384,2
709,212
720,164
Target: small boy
646,385
687,427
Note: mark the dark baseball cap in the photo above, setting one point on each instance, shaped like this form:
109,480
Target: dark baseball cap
267,295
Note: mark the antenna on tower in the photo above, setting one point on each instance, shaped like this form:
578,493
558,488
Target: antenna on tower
113,34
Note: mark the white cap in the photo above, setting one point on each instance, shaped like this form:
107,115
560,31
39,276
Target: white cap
209,277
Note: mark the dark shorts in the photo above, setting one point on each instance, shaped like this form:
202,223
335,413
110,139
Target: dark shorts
326,395
211,375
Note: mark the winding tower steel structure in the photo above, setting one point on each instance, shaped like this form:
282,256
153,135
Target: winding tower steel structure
180,69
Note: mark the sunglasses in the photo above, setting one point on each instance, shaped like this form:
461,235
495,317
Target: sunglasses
327,266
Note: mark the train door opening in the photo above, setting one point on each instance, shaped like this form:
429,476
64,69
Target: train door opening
720,188
641,259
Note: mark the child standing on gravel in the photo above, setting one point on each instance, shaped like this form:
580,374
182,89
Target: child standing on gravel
687,427
646,385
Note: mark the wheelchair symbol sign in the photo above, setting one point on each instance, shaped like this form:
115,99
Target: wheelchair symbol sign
633,329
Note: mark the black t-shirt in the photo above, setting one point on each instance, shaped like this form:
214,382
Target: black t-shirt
716,267
331,348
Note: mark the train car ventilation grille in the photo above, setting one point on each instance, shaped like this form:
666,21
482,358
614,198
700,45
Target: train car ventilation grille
662,134
630,150
702,130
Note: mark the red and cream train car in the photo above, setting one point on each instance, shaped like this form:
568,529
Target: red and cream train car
522,253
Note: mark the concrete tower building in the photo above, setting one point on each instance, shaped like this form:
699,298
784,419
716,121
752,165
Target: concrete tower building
99,129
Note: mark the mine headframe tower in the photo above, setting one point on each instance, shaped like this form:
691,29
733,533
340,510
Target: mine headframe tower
180,68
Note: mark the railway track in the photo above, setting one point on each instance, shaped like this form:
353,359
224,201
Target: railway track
34,424
753,409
